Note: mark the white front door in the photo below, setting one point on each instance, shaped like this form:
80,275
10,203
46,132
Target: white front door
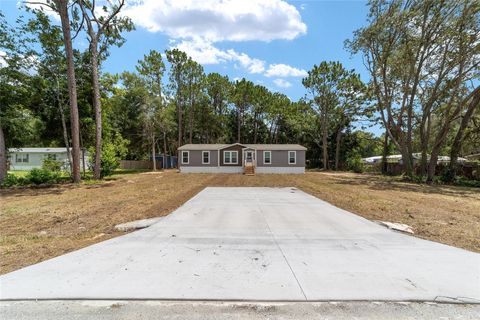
249,157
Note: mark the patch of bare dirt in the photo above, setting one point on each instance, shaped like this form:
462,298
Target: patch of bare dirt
38,224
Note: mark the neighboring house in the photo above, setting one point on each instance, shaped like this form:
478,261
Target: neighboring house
397,158
29,158
242,158
473,157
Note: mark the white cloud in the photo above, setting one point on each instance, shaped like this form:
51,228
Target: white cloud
206,53
283,70
282,83
213,20
253,65
37,5
195,26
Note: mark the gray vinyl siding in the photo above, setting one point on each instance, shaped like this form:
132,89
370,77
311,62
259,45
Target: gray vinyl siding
280,159
195,159
237,148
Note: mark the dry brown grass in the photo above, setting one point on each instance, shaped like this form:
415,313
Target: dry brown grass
38,224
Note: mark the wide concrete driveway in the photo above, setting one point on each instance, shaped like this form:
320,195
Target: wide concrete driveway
256,244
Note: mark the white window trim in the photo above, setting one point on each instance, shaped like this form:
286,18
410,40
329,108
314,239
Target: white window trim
203,158
188,153
295,157
231,152
264,157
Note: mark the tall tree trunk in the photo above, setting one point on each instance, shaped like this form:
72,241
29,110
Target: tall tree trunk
457,142
270,133
385,154
407,160
325,152
432,165
324,140
179,111
190,120
255,128
337,148
72,88
436,150
64,126
65,137
3,156
239,124
164,164
97,106
154,161
424,139
276,134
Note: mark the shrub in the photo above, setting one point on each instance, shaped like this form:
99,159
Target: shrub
52,165
10,181
41,176
112,153
461,181
355,163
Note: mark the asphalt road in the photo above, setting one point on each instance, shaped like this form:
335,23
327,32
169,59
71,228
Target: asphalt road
256,244
176,310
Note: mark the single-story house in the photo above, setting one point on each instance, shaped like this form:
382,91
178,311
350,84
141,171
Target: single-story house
397,158
242,158
29,158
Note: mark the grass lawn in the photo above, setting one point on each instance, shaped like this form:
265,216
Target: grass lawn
19,173
40,223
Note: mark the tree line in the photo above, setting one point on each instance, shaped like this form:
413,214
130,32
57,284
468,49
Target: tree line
422,57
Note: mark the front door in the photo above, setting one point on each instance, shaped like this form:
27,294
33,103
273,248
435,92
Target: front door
249,157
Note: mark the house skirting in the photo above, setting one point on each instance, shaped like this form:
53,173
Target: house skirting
278,170
191,169
285,170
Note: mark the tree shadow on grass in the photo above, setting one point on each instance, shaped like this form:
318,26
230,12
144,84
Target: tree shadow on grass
50,189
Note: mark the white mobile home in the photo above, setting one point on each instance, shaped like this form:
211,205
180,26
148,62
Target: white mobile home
29,158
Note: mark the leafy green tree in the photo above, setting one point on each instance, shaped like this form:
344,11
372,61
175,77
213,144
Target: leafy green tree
336,94
152,68
195,87
177,75
61,7
422,57
51,66
242,98
113,152
17,123
127,93
218,88
103,29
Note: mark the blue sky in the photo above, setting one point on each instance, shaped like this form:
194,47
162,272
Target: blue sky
328,24
271,42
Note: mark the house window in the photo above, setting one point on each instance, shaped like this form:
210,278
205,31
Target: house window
205,157
267,157
230,157
185,157
21,157
51,156
292,157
